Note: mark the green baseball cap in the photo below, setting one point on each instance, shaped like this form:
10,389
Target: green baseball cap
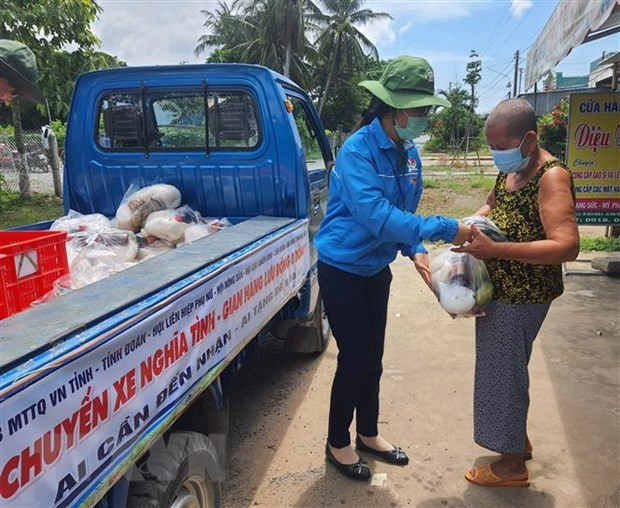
407,82
19,67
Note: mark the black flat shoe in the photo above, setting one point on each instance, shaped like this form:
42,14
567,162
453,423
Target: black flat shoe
396,456
358,471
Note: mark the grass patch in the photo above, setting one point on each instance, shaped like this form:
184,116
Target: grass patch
599,244
460,183
19,212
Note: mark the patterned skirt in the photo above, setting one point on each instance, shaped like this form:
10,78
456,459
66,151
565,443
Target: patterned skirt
504,339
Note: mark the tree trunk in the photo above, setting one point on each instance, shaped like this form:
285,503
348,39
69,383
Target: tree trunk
329,78
55,163
287,60
22,162
289,42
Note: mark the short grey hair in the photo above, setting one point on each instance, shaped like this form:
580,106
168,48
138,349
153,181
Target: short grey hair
516,114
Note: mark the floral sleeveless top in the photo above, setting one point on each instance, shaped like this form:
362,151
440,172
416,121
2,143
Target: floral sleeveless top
516,214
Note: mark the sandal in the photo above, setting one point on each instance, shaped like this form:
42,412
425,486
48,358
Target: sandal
484,476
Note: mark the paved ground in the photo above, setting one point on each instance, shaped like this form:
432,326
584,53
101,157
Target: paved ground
279,411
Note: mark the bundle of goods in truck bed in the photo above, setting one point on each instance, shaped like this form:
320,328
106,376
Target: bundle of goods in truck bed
148,223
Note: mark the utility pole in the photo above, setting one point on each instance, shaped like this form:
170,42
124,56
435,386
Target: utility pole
516,79
520,77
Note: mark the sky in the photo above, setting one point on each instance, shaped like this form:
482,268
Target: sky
148,32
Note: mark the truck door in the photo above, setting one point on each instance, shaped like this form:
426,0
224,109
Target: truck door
317,155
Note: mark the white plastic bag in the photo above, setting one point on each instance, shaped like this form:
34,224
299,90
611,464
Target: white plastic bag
137,205
487,226
170,225
461,282
75,222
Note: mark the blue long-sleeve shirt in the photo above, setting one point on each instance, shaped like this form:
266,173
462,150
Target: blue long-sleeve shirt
371,206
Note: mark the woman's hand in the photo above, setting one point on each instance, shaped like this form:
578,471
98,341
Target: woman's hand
422,265
481,246
463,234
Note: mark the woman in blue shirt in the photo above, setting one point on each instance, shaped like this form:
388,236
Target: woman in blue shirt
375,187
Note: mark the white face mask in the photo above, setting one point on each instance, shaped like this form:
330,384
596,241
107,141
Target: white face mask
511,160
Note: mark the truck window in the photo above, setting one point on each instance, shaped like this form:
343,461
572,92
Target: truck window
308,133
176,121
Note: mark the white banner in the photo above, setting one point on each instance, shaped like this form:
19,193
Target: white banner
64,434
568,26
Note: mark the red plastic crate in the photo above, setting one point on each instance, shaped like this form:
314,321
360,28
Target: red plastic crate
30,262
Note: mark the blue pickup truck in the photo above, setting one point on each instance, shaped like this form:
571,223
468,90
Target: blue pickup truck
115,394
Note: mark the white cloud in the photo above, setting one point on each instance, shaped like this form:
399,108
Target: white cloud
422,11
152,32
379,32
405,28
408,13
519,7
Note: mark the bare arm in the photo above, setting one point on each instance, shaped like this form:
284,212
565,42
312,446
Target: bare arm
557,213
488,206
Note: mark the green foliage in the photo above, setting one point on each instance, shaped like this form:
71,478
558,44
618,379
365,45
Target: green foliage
60,130
552,130
473,76
448,127
348,100
182,137
18,212
8,130
599,243
322,50
47,27
5,194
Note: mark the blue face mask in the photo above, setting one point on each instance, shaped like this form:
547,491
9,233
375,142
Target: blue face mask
416,125
511,160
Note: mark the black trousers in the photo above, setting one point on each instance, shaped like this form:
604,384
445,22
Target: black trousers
356,308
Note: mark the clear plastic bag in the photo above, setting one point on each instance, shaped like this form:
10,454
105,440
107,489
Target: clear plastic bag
461,282
207,227
92,257
138,204
151,246
170,225
75,222
122,243
487,226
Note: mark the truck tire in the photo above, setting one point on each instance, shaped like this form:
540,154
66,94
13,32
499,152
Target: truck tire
180,471
312,336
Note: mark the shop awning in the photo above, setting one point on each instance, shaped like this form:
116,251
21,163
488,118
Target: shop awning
572,23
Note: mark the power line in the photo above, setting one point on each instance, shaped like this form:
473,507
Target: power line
502,20
500,46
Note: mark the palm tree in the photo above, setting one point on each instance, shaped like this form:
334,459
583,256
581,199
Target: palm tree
254,30
340,41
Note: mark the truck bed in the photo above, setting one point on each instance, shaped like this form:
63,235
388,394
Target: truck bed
81,309
96,376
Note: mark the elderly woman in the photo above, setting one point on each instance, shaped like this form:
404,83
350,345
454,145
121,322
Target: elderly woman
533,203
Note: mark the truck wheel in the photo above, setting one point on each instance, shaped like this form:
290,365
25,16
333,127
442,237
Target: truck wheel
311,336
180,471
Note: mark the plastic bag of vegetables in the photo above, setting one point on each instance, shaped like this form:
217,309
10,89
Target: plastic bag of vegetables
461,282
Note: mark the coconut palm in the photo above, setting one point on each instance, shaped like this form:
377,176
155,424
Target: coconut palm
267,32
343,46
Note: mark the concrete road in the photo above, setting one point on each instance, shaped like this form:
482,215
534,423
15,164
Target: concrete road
279,408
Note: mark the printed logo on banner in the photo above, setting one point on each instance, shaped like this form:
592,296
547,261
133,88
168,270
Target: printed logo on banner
64,434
